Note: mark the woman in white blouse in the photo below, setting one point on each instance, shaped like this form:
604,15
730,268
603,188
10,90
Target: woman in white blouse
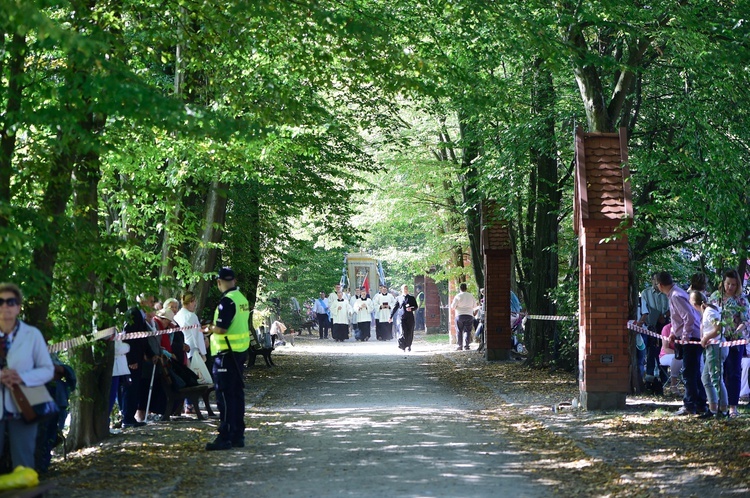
186,317
24,359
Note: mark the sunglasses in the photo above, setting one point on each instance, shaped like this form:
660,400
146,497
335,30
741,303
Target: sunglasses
11,301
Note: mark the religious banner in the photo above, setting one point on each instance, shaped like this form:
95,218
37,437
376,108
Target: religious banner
362,272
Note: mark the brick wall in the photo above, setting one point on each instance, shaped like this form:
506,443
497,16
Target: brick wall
497,252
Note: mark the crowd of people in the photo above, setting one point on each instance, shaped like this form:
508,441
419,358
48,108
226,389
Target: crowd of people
188,354
145,368
694,324
695,349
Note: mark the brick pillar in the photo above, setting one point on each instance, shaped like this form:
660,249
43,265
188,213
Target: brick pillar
496,249
602,210
497,304
603,343
431,306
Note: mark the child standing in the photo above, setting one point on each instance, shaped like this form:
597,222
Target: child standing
714,356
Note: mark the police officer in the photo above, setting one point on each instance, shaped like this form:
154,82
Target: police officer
230,340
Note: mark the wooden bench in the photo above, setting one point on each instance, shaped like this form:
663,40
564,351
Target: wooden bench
193,395
39,490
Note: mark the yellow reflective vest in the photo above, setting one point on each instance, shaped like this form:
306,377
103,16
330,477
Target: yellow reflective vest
238,332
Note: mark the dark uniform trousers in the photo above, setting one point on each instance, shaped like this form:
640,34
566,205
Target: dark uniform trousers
230,394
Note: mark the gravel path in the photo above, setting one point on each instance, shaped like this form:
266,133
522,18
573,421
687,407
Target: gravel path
366,421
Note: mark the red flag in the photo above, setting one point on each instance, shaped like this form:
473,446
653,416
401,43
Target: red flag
366,284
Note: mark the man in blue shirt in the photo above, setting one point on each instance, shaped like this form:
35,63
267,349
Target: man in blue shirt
320,308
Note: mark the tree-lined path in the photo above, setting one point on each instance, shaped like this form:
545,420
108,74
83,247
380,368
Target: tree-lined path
144,146
360,420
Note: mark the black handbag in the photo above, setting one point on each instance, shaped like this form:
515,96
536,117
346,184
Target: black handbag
187,377
677,351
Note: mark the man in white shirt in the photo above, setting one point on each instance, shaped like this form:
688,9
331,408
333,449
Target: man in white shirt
463,304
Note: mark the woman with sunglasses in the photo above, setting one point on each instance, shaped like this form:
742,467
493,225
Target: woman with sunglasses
25,360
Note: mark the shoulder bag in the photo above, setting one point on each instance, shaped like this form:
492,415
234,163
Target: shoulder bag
34,403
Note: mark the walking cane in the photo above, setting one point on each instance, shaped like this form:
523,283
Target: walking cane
150,390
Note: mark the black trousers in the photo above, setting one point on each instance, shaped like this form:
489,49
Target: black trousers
230,394
324,325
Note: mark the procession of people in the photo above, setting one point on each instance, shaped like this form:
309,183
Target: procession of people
359,314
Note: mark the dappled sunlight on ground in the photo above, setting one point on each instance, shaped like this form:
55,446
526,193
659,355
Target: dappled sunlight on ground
363,419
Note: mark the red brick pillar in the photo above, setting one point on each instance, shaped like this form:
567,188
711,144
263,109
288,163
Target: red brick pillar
496,249
602,210
431,306
603,343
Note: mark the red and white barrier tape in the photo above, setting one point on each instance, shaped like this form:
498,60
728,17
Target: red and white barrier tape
151,333
636,328
551,318
111,333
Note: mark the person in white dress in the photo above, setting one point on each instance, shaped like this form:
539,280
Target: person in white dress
382,303
362,307
120,374
340,311
187,319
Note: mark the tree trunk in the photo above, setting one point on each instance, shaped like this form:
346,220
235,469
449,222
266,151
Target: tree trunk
13,96
636,380
244,236
544,264
742,253
472,199
173,219
89,416
172,222
206,254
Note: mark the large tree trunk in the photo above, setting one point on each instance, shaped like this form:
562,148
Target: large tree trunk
13,96
172,222
173,219
244,236
205,255
89,420
544,264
